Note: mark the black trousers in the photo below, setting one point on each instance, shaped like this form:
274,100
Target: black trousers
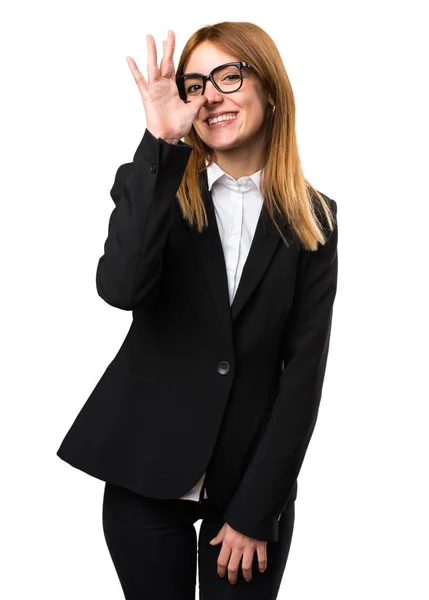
154,548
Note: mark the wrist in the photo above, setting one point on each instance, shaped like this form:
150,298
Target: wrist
160,135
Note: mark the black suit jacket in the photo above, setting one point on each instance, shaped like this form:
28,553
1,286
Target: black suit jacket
199,385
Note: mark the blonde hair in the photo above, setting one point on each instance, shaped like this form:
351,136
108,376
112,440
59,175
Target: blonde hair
286,192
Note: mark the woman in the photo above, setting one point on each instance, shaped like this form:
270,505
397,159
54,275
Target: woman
227,258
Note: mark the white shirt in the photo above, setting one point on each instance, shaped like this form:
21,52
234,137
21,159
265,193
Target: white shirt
237,205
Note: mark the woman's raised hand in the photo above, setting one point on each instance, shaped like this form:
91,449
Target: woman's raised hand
167,116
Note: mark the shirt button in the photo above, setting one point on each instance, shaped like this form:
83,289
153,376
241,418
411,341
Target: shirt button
223,367
153,167
234,231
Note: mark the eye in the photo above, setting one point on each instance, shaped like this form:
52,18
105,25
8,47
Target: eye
190,90
233,77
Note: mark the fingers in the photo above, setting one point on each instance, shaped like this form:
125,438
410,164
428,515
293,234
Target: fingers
152,60
154,72
167,63
162,65
166,68
228,561
197,103
222,560
261,551
234,565
246,563
138,77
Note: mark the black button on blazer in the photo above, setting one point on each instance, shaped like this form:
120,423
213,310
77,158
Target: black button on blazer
199,384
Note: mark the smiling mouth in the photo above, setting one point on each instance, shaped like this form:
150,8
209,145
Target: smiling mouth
223,122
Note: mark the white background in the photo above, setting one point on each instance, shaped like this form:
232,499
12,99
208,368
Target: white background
71,114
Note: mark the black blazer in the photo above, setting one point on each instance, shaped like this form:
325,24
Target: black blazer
199,385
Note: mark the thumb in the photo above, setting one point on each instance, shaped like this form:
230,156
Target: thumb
198,102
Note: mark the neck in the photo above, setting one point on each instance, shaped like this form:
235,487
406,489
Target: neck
241,161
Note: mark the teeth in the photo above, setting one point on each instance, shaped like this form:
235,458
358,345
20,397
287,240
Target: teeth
226,117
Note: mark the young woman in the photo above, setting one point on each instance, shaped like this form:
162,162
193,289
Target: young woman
227,258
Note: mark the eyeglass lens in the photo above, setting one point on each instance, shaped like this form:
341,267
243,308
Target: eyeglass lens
228,79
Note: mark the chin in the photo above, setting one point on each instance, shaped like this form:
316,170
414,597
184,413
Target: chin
226,139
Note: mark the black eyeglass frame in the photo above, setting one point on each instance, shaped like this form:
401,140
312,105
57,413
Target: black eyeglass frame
240,64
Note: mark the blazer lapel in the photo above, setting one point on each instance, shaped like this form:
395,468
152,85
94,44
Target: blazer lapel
261,252
210,253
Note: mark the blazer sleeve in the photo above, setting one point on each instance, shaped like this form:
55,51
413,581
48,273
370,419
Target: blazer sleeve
270,477
144,195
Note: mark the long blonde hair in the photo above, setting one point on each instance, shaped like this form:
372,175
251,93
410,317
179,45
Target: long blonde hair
286,192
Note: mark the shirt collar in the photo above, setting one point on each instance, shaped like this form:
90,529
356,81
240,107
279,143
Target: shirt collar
214,173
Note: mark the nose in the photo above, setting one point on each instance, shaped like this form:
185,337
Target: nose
212,93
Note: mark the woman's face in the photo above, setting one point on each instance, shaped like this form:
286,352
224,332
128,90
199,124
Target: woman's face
250,103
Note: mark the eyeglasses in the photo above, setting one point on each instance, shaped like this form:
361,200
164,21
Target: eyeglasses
226,78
